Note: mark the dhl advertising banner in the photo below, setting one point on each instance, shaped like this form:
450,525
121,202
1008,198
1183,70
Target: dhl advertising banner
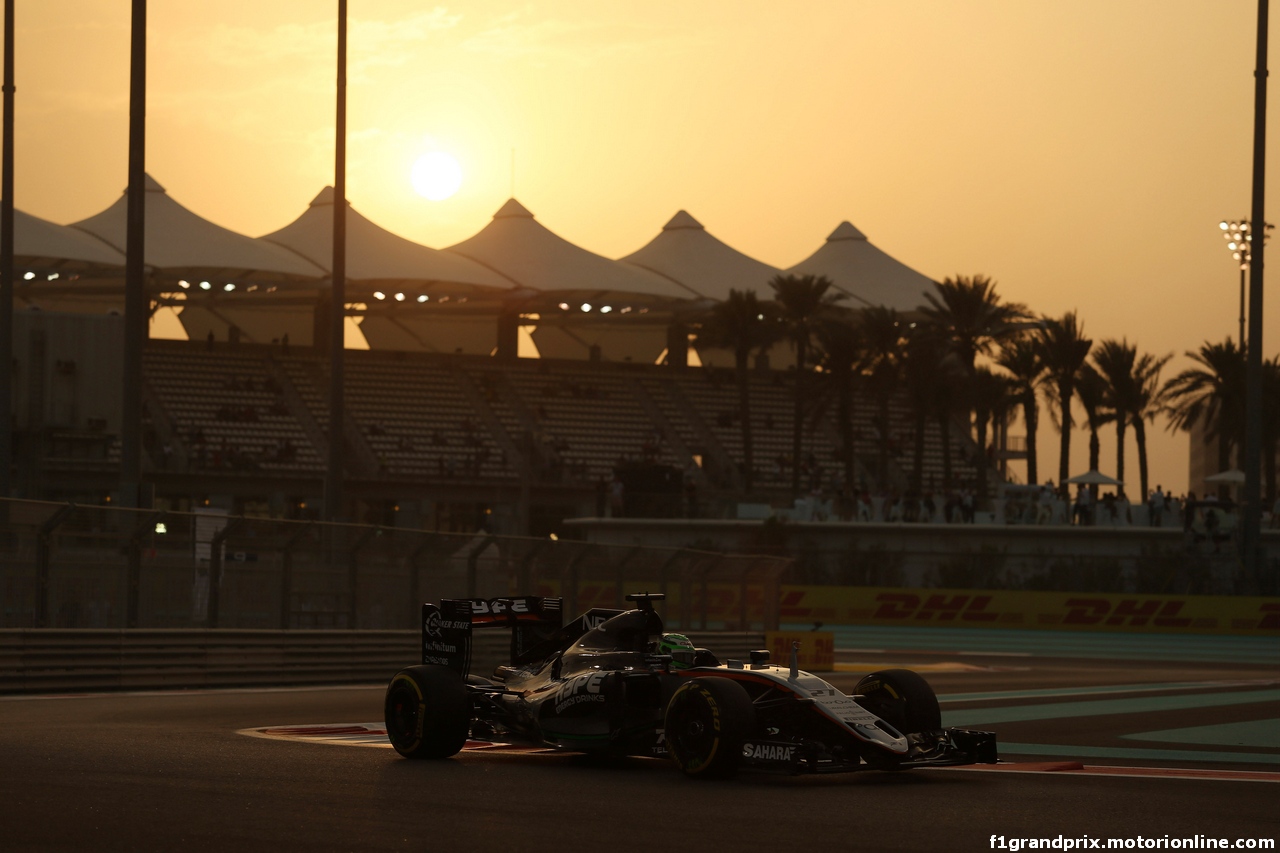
1059,611
817,652
1072,611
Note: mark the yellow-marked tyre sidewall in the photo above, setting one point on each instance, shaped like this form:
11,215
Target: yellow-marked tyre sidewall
399,680
695,765
443,707
726,710
921,711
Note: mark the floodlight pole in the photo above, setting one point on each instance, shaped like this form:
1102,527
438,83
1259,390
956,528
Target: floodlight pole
1243,271
136,311
6,266
337,306
1252,532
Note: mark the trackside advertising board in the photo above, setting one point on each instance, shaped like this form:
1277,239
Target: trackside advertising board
978,608
1071,611
817,651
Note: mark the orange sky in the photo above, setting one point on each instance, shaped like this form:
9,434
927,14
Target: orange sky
1080,153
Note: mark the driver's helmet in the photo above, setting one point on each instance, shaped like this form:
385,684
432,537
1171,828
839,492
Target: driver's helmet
680,648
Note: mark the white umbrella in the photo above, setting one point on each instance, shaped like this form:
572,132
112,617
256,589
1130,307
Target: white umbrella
1093,478
1232,477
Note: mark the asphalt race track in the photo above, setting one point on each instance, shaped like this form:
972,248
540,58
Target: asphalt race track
1198,738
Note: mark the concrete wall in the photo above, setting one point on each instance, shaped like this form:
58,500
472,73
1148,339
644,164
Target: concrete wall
67,370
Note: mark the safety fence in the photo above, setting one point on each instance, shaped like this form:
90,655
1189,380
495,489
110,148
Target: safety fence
54,660
71,566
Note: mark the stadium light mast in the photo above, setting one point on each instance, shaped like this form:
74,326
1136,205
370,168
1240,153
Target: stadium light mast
337,305
1238,237
1252,532
136,311
6,266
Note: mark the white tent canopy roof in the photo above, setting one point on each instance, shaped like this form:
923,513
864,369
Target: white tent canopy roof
686,253
1094,478
40,243
531,256
179,242
858,268
374,253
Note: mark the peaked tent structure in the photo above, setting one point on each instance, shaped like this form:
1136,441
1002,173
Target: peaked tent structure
180,243
561,277
533,257
183,245
59,268
685,252
856,267
413,293
377,256
43,246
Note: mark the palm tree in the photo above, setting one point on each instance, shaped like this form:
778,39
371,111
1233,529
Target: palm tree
1270,422
1212,393
743,324
937,387
841,344
1091,389
1063,349
929,368
990,394
803,300
973,316
1115,361
1145,403
883,333
1022,357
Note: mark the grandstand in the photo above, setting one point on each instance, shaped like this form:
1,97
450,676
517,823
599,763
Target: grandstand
435,438
444,425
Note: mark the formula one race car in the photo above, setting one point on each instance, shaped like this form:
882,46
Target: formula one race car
612,682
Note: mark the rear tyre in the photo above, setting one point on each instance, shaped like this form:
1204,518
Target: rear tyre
902,699
427,712
706,724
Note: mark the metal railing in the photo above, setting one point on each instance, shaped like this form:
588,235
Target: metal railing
71,566
87,659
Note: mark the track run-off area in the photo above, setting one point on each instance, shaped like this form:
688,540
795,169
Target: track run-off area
1101,736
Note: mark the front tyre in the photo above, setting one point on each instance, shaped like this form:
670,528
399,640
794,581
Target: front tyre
902,699
427,712
707,722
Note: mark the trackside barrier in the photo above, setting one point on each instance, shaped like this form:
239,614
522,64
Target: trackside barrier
51,660
72,566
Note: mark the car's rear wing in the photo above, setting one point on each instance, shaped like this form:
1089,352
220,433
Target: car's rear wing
446,634
534,623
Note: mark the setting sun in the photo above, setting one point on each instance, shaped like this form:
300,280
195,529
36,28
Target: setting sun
436,175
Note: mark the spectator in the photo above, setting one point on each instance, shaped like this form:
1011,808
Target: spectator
1081,513
602,497
1122,509
1042,503
864,506
1155,507
617,503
